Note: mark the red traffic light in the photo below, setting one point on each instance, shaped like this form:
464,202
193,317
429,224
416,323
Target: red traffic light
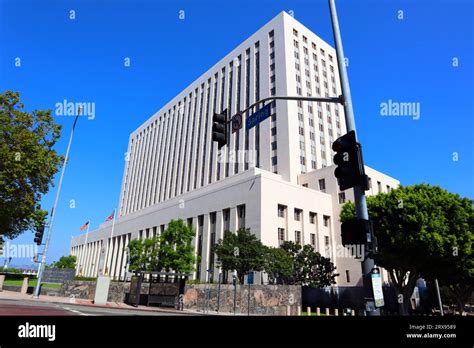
219,128
347,141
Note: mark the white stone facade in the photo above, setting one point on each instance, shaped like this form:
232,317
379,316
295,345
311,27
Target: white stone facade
173,169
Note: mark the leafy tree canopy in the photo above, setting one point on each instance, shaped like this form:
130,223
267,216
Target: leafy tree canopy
422,231
65,262
240,251
176,252
28,163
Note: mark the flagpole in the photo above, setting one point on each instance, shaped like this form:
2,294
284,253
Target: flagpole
107,256
53,211
84,258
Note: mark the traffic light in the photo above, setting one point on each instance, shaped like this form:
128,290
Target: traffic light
39,235
2,246
350,170
354,232
359,232
219,128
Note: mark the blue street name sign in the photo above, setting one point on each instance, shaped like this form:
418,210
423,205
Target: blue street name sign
258,117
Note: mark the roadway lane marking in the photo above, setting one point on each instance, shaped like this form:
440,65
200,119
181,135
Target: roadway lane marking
75,311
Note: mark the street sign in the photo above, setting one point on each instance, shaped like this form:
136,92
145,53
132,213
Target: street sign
377,287
258,116
236,122
250,278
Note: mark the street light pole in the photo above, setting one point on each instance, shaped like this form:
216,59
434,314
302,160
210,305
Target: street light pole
359,194
53,212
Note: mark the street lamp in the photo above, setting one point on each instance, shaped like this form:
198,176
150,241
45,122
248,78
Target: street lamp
53,211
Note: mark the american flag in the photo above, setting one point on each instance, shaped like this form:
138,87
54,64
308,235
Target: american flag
84,227
110,217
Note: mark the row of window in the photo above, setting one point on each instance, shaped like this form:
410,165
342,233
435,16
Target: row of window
298,238
273,125
321,127
179,141
342,195
281,212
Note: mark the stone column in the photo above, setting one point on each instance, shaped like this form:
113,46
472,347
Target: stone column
113,257
24,286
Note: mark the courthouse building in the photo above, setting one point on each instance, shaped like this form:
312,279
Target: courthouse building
277,178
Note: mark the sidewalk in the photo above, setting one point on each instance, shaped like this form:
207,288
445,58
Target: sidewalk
13,295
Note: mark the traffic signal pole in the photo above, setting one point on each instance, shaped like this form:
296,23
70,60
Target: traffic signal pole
53,213
359,194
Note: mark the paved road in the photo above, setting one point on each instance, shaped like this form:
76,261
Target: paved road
35,308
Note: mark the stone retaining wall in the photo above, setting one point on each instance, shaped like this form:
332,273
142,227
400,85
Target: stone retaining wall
86,290
263,299
31,289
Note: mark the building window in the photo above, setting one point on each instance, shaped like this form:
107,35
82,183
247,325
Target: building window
370,183
388,188
281,236
322,185
326,220
326,241
348,276
212,221
312,217
281,210
305,185
226,218
295,32
312,239
241,216
297,214
199,245
298,237
342,197
379,186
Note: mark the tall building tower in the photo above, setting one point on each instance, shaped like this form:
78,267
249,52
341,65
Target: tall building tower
263,180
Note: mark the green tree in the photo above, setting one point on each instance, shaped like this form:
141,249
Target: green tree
278,265
422,231
143,254
240,251
291,248
176,252
28,163
312,269
65,262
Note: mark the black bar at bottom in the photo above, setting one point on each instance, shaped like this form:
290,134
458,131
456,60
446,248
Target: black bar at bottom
260,330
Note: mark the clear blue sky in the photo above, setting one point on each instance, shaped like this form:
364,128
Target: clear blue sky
406,60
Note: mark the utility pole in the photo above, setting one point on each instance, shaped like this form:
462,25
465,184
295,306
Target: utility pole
441,311
359,194
53,212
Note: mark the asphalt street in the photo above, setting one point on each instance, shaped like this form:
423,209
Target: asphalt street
36,308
